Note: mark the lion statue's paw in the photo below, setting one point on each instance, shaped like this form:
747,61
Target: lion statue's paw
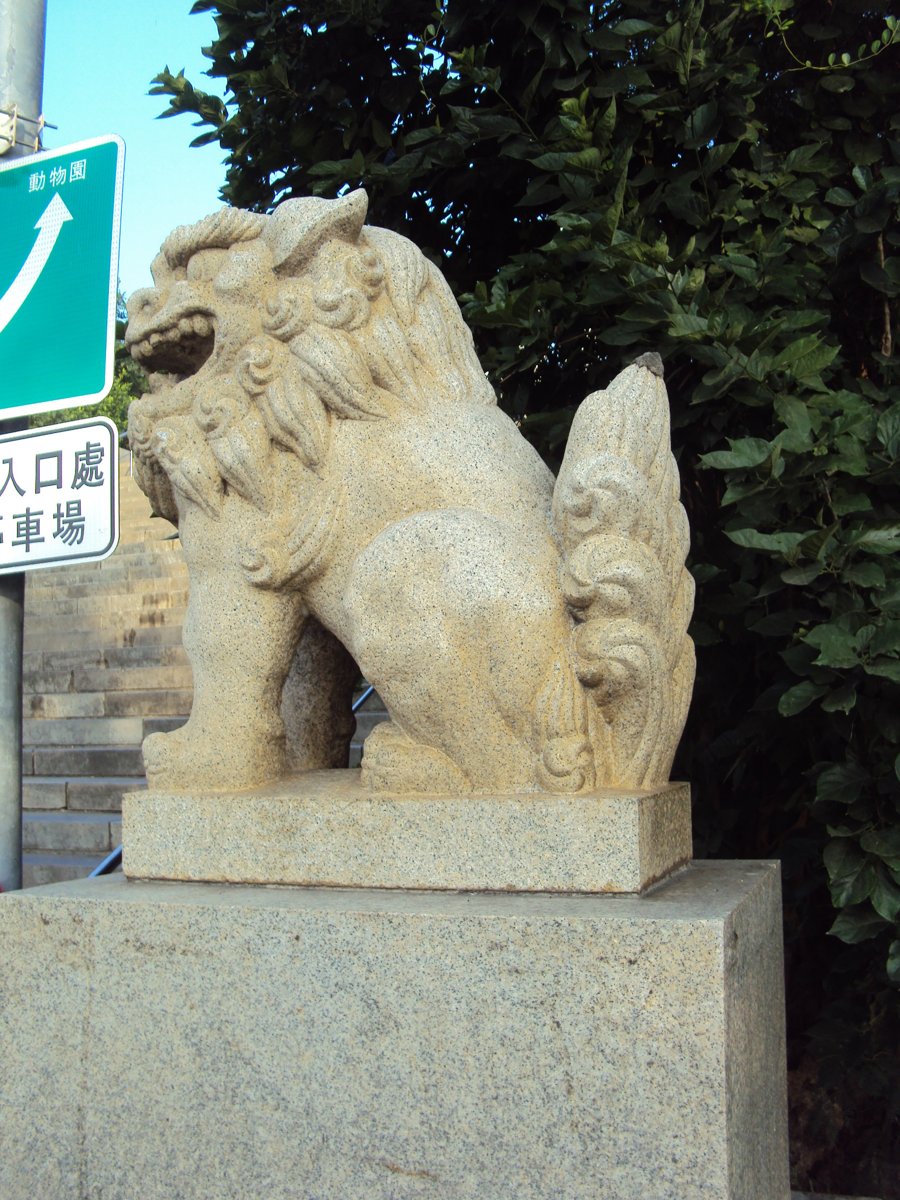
185,761
393,762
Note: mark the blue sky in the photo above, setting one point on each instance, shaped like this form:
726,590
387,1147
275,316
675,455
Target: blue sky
99,60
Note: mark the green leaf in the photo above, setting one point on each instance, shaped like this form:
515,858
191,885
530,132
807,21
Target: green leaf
837,83
858,925
753,539
805,357
865,574
632,27
837,646
876,277
843,699
744,452
850,873
800,696
885,895
884,668
862,150
840,196
883,842
685,325
888,431
877,539
802,575
841,783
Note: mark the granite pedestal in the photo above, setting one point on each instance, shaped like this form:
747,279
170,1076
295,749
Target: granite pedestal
190,1041
325,828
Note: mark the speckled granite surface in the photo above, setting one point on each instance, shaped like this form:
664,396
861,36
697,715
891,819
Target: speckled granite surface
325,827
175,1041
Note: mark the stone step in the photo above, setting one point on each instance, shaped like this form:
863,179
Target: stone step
129,587
80,793
162,724
82,731
63,663
117,679
104,613
62,705
121,579
169,702
98,616
70,832
149,635
110,762
163,633
366,720
142,561
99,632
43,792
40,869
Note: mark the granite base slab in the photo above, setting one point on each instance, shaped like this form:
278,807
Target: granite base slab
323,828
208,1042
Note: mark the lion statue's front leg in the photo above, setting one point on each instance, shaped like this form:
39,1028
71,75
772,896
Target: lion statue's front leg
242,641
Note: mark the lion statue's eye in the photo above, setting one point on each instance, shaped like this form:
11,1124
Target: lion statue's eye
205,265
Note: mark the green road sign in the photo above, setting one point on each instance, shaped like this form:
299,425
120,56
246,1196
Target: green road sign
59,259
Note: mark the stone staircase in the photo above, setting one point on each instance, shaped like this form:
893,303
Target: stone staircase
103,667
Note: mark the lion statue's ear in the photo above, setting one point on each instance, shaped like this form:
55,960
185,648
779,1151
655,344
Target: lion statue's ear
297,228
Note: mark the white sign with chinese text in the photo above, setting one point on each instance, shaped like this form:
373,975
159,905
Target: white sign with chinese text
59,495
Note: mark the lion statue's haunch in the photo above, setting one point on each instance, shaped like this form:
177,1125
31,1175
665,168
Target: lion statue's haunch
347,492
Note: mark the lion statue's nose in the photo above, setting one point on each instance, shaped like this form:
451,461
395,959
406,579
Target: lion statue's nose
140,301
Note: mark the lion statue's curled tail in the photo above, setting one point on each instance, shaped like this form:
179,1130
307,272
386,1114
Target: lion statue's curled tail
350,498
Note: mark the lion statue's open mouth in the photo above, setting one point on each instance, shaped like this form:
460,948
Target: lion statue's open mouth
319,427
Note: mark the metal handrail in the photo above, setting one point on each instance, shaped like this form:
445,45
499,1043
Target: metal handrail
113,860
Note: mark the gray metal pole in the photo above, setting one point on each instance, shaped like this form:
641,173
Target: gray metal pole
22,24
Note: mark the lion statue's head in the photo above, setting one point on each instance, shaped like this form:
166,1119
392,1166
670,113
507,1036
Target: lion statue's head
261,332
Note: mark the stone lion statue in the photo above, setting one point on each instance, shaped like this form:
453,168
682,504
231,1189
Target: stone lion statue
350,497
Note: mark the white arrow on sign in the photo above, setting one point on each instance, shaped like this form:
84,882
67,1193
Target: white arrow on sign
49,223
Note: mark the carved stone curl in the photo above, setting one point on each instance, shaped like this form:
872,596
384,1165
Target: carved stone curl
321,431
